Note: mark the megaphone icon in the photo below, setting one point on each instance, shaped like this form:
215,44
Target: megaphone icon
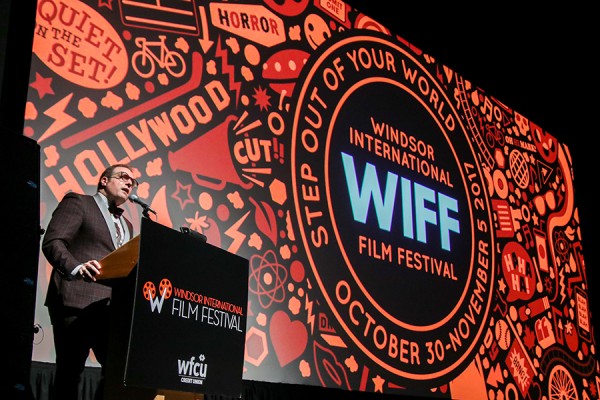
208,159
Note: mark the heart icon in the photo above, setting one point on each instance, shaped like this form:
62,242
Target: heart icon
289,338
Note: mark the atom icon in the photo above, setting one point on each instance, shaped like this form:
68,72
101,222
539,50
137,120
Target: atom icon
267,279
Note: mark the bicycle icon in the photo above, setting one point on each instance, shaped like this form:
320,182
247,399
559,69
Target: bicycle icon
151,53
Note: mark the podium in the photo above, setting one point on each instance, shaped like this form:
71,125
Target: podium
178,316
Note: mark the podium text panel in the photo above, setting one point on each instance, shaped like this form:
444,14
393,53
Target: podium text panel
189,315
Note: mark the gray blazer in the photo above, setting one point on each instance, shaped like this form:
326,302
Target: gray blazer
81,229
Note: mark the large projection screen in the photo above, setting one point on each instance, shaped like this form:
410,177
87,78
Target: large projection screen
407,233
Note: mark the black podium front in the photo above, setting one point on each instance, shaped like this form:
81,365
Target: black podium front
179,318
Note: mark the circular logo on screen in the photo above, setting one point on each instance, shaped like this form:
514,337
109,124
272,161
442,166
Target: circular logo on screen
392,209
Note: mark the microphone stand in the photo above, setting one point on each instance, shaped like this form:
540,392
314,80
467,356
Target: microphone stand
146,211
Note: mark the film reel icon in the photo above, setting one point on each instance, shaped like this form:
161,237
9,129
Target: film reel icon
149,291
165,289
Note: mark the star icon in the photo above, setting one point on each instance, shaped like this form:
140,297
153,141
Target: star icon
378,381
105,3
180,197
42,85
501,285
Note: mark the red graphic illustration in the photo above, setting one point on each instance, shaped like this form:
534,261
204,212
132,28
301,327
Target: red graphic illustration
240,119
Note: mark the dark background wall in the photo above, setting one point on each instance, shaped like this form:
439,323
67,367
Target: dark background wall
20,160
17,20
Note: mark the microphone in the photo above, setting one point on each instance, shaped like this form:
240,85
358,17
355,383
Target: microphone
146,207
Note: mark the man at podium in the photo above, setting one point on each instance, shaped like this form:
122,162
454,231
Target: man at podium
82,230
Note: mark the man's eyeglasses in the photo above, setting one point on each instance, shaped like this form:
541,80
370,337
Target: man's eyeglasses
124,177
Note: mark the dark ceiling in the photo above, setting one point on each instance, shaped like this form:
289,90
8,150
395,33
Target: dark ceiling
540,65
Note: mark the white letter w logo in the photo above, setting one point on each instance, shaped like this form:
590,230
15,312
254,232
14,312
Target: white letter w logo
157,302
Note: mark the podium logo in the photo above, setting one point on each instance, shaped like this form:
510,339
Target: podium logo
191,371
165,288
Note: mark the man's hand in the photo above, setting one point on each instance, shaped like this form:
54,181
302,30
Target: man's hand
90,269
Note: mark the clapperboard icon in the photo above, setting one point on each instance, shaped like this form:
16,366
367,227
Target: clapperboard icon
179,16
